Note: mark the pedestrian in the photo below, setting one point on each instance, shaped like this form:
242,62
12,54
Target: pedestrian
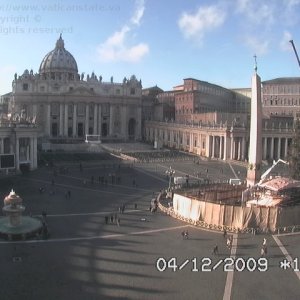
263,251
69,194
118,222
186,235
123,208
135,206
224,233
215,250
182,234
229,242
264,242
111,218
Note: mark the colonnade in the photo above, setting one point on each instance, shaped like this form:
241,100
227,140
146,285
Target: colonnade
220,143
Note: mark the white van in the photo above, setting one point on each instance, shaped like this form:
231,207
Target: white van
235,181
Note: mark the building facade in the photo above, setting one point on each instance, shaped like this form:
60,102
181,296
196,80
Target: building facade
18,137
67,106
281,97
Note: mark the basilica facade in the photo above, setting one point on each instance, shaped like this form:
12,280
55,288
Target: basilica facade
67,106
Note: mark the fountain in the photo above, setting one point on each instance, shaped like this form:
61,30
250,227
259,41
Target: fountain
14,226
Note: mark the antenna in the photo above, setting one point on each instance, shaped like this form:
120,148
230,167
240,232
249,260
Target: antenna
292,42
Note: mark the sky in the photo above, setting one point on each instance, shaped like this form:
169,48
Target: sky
160,42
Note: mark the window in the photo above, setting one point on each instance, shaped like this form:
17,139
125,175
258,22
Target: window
25,86
132,91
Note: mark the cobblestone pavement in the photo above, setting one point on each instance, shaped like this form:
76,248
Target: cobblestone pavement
145,257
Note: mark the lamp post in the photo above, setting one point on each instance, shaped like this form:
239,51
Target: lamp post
170,172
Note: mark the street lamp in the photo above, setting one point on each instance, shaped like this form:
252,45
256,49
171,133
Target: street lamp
170,172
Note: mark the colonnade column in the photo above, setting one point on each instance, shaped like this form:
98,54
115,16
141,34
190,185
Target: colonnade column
61,119
208,146
213,147
239,149
74,120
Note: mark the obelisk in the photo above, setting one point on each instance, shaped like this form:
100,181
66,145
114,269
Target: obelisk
255,149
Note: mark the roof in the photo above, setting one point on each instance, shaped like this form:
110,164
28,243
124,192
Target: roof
283,80
280,183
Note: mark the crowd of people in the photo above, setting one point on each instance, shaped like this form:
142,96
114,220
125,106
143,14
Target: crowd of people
160,156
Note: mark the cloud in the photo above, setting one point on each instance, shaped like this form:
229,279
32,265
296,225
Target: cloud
285,41
205,19
257,11
139,12
116,47
257,46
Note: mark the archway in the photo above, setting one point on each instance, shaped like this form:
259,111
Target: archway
131,128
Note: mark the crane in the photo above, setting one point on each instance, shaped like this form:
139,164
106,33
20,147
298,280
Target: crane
292,42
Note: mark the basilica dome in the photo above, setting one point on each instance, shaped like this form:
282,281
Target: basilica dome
58,61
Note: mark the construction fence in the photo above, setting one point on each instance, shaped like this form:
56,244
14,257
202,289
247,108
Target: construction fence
219,216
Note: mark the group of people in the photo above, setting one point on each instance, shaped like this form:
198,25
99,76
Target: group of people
113,219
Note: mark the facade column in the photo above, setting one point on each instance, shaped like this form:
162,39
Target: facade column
232,148
225,147
95,127
213,147
279,148
221,147
31,153
34,152
243,148
139,123
285,148
87,119
207,146
111,120
124,126
191,142
34,110
239,149
61,119
66,121
99,119
265,148
75,120
272,149
17,154
47,121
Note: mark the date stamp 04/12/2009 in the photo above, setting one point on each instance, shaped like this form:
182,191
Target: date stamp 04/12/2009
228,264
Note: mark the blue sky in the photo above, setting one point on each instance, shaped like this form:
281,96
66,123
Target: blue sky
161,42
